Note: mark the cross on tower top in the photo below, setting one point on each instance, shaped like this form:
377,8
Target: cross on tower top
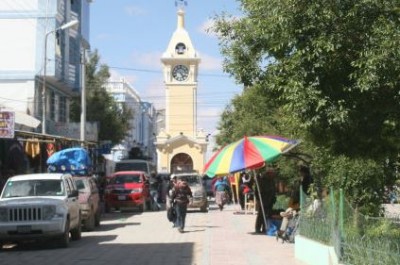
180,3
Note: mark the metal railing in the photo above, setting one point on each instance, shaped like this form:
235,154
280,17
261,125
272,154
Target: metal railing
356,238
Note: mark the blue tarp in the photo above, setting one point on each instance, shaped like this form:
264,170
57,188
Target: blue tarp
72,160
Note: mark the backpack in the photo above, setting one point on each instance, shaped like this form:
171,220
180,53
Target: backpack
180,193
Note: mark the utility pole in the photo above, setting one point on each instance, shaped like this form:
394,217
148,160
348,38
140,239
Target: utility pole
83,96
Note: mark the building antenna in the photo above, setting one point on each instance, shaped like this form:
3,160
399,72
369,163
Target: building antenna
180,3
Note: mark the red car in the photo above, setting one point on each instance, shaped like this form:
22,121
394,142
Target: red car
127,189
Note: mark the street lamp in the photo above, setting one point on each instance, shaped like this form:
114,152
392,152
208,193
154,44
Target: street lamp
85,47
62,27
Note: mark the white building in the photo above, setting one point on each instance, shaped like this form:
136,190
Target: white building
26,27
142,130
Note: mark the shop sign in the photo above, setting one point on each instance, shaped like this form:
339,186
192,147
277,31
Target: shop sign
7,123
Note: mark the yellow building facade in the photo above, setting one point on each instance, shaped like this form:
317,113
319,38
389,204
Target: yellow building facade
181,147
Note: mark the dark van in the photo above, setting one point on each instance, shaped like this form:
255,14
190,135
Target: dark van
136,165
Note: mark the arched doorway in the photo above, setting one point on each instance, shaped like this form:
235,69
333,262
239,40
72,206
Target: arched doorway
181,163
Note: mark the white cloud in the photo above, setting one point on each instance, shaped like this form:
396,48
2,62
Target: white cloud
116,76
208,117
210,63
207,28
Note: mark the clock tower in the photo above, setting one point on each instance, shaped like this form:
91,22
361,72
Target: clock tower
180,146
180,68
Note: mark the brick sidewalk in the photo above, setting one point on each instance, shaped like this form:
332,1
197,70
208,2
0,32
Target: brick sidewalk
229,239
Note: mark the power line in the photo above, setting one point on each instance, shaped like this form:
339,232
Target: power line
160,72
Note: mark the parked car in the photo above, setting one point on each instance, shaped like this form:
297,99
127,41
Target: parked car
199,193
39,207
127,189
89,200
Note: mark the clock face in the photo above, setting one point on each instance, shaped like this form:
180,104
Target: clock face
180,72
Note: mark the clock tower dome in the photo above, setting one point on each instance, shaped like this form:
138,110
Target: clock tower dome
180,146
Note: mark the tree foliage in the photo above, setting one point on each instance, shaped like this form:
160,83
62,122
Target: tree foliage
330,71
113,119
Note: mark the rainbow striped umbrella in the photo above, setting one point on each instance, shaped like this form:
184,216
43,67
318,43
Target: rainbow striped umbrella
247,153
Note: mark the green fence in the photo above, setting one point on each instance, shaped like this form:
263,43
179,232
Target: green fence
357,239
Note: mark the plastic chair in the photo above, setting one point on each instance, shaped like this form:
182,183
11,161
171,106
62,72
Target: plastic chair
249,204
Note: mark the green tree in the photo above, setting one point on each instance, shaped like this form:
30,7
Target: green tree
331,68
251,113
112,118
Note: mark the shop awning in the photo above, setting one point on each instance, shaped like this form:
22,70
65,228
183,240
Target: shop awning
26,120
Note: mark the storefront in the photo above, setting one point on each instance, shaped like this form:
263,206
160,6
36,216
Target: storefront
28,152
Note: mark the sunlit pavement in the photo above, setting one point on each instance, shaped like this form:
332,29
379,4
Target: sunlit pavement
129,237
392,210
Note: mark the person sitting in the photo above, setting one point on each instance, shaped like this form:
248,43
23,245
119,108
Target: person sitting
294,201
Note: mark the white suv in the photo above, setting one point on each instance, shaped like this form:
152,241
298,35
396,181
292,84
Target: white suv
39,207
195,182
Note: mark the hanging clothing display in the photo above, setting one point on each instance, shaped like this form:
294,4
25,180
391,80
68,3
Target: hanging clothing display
50,149
32,148
16,161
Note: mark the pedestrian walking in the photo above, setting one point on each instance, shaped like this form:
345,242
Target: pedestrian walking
154,187
222,192
180,197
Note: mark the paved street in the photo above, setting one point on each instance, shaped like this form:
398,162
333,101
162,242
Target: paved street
213,238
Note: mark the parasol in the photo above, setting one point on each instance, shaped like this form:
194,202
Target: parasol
247,153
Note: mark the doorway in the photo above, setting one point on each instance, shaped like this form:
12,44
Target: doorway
181,163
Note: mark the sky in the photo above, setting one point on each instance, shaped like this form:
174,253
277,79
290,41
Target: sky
131,35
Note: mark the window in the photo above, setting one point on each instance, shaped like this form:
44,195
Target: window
68,187
50,188
74,52
75,6
52,105
180,48
122,179
63,109
79,184
23,188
